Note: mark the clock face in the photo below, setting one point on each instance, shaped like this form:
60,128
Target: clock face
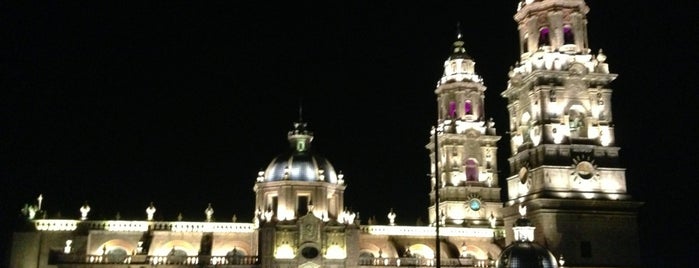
585,170
474,204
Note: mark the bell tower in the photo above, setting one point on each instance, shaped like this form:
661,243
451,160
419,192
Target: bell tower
564,164
466,147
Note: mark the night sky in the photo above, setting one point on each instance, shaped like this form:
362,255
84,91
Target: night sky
182,103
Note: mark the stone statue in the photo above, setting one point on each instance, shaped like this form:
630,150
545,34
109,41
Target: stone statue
83,211
209,211
391,217
29,211
268,215
39,199
150,210
442,218
67,249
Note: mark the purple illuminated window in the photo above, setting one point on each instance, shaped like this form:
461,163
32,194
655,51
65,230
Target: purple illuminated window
452,109
467,107
568,36
471,170
544,37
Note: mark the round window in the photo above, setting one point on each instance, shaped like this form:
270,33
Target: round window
309,252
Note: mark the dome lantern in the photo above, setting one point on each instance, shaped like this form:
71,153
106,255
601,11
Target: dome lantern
299,163
524,252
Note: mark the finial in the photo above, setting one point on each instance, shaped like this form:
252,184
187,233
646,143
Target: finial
392,217
458,30
523,211
209,211
39,199
458,50
84,210
492,220
150,210
600,56
300,110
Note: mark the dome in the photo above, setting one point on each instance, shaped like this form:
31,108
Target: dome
300,163
525,254
295,166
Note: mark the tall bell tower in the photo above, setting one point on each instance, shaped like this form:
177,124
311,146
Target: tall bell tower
564,164
466,148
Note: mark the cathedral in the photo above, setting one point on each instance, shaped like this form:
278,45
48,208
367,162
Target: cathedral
566,202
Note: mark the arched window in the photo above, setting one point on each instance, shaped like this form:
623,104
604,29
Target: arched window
568,35
544,39
452,109
468,109
471,170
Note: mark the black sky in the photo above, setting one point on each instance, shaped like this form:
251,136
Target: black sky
181,103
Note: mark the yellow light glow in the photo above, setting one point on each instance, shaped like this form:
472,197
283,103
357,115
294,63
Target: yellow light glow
605,139
517,140
609,185
426,231
284,252
475,251
535,135
422,250
336,252
557,136
286,214
185,246
589,195
523,188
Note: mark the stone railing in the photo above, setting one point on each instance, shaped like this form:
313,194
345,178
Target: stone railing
427,231
424,262
142,226
56,225
59,258
203,260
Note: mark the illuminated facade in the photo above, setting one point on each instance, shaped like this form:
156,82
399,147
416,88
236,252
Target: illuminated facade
465,148
300,221
564,164
563,168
